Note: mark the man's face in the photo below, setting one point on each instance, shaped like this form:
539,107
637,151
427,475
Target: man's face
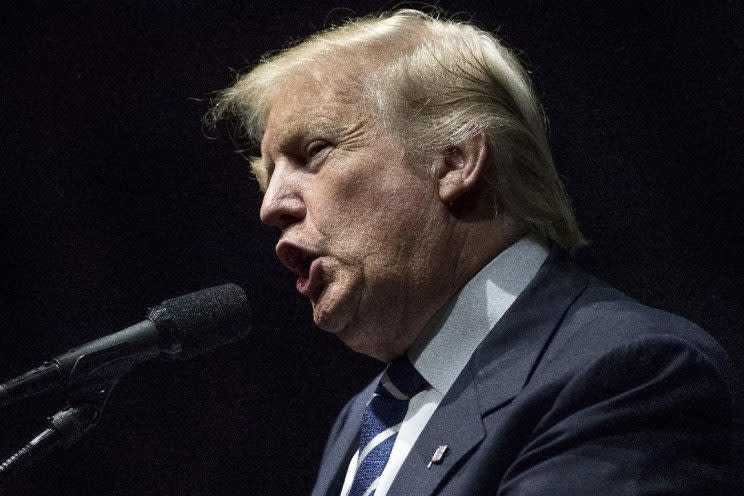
362,229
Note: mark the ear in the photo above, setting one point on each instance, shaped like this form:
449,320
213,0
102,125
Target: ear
462,166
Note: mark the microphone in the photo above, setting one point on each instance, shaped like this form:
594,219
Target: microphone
177,329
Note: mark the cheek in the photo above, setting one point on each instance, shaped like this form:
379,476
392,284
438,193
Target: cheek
396,237
384,201
373,210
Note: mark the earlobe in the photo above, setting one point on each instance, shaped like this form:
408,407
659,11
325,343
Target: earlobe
462,167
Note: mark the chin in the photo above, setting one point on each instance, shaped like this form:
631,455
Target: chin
330,320
337,307
352,336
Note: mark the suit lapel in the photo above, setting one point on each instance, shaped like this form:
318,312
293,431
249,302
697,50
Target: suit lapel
457,423
499,368
503,364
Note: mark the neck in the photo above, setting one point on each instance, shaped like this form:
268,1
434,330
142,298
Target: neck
478,242
471,246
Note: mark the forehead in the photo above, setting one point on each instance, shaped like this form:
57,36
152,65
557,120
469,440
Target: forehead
313,101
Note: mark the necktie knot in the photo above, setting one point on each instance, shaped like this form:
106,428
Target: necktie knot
401,380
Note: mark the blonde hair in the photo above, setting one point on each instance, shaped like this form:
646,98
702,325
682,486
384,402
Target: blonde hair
437,82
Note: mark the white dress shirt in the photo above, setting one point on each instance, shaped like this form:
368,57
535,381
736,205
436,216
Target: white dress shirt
441,352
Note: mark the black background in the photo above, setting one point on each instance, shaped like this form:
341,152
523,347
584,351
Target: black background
114,198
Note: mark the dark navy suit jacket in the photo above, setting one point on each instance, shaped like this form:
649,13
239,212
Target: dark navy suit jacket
577,390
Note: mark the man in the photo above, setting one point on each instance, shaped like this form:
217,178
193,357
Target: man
406,161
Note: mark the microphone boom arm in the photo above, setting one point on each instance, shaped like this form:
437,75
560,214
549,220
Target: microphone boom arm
92,379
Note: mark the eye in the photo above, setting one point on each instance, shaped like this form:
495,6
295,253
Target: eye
317,151
315,148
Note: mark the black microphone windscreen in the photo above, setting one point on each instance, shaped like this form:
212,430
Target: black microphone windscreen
203,320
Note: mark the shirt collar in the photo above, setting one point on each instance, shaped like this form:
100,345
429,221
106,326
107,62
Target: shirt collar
441,352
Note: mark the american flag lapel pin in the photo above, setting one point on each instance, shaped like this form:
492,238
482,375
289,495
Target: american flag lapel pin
438,455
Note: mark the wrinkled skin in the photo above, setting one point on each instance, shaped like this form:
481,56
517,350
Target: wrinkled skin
388,251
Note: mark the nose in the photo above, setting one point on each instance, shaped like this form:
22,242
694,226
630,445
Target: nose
282,205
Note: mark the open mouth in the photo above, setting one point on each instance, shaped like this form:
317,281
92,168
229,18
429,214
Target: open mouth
298,261
301,262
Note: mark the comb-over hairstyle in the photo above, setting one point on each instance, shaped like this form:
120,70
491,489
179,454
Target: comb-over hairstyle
435,82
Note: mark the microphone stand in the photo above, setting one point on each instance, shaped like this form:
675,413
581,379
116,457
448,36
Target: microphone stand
67,426
92,379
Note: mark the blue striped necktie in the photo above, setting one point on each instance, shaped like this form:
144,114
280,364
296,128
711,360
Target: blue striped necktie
381,422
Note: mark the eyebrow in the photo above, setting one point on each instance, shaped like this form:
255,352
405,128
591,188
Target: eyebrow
315,122
289,133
